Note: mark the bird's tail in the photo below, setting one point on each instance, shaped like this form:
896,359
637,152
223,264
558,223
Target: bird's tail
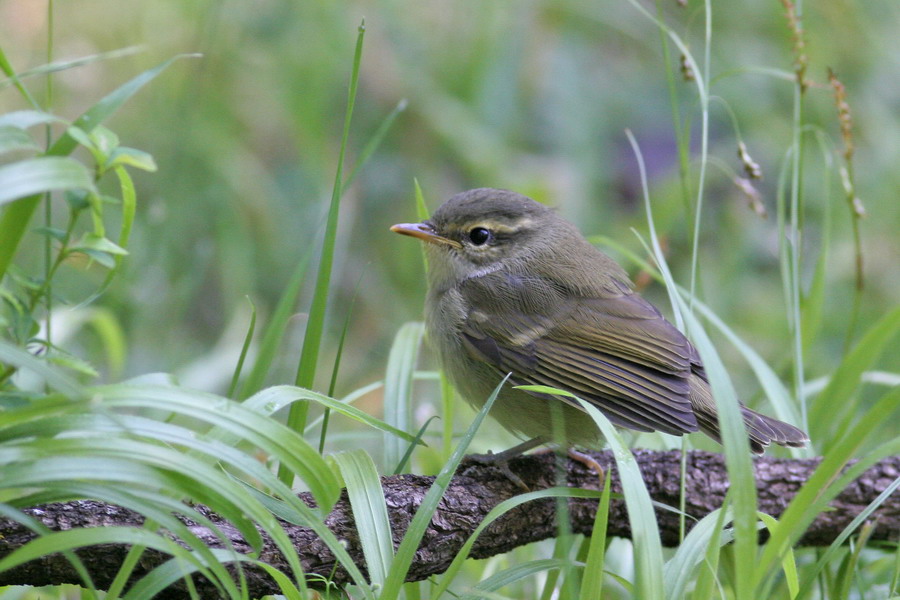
761,429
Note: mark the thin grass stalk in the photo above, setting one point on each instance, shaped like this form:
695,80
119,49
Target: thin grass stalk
794,17
681,141
129,563
795,249
337,365
703,87
7,68
245,347
306,369
274,331
375,141
312,340
48,207
448,410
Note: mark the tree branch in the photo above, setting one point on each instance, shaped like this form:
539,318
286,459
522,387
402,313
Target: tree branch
471,495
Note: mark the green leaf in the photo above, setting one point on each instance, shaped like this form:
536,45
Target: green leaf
107,106
236,420
15,219
92,241
644,530
51,232
592,581
312,341
24,119
105,139
398,387
57,380
273,399
275,330
84,139
102,258
78,200
705,535
513,574
375,141
73,363
401,466
830,478
57,66
837,545
731,424
498,511
788,562
369,511
78,538
154,583
132,158
836,402
13,139
129,208
43,174
420,522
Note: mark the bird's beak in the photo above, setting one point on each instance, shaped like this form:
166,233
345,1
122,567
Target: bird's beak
425,232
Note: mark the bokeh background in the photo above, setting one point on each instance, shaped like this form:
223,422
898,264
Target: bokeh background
533,96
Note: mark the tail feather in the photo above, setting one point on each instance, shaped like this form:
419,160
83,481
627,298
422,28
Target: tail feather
762,430
778,432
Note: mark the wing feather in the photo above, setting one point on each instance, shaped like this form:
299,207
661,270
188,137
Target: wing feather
617,352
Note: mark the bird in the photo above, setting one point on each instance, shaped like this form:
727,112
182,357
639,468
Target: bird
516,290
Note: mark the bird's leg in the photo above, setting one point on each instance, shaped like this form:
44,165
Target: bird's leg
588,461
585,459
501,460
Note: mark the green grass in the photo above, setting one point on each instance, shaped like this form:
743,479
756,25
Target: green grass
143,271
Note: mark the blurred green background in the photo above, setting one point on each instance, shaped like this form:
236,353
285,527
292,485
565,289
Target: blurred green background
531,96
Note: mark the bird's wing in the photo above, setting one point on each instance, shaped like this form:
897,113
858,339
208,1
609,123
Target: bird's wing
617,352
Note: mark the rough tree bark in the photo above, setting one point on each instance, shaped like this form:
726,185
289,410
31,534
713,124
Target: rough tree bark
471,495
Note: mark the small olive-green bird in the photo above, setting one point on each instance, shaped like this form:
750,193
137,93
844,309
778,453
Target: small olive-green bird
515,289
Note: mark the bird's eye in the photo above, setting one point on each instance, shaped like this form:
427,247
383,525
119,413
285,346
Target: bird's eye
479,236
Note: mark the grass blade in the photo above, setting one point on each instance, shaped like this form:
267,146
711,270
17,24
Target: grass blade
245,347
274,398
836,401
704,536
497,512
513,574
42,174
829,479
323,434
369,511
375,141
309,354
268,348
15,356
407,550
644,531
838,543
398,387
592,582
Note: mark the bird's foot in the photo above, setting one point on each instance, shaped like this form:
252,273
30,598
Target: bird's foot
500,460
